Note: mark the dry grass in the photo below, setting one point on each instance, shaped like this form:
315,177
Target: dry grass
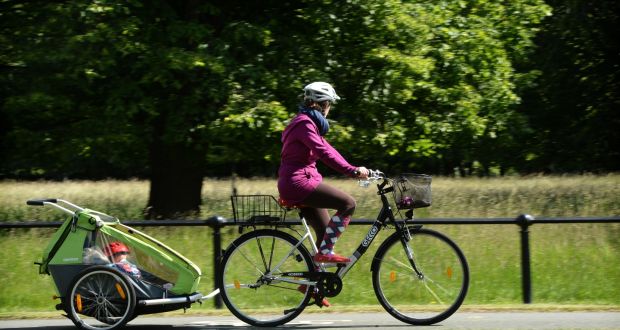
573,264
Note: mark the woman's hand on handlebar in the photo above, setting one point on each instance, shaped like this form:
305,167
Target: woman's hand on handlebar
362,172
372,175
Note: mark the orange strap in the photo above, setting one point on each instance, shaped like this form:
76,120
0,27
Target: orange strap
284,203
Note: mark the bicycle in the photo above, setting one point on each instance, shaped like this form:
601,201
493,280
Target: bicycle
267,276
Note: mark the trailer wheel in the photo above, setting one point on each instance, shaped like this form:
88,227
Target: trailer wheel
100,298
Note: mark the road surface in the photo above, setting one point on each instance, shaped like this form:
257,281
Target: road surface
314,321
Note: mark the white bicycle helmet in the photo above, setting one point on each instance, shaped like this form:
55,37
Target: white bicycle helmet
320,91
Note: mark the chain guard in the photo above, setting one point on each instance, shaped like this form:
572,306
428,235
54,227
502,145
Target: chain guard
327,284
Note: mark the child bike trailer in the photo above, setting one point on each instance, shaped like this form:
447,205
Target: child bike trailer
106,273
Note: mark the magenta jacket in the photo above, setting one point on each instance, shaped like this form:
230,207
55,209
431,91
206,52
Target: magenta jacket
302,146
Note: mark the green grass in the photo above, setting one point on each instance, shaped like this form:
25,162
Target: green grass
574,264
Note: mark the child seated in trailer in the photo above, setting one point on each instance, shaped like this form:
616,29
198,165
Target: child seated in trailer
117,253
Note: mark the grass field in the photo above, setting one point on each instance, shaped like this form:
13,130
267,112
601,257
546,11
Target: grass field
572,264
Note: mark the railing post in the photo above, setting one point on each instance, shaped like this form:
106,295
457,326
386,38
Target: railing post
524,221
217,223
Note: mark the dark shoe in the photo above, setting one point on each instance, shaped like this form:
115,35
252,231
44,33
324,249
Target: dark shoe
324,302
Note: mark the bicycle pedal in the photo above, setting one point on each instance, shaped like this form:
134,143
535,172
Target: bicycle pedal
314,302
321,302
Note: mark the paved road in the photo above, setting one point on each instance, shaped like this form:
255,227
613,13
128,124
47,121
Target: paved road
465,320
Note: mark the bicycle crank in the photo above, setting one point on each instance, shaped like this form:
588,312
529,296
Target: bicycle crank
329,285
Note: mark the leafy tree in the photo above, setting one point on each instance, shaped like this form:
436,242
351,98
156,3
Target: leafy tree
171,90
54,101
122,77
573,107
430,84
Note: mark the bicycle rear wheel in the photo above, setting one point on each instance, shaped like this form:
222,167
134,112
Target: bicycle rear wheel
431,295
251,284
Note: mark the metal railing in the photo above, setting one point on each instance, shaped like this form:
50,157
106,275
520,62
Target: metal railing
524,221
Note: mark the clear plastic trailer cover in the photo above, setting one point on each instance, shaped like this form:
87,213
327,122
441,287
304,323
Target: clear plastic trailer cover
94,238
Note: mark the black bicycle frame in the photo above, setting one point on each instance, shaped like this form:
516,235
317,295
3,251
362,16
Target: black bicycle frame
384,215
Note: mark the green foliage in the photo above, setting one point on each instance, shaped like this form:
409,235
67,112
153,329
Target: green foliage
94,89
573,108
431,83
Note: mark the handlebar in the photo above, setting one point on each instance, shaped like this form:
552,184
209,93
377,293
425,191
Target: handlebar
376,175
68,206
373,176
41,202
71,208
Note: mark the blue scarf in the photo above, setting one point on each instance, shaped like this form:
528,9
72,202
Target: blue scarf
318,119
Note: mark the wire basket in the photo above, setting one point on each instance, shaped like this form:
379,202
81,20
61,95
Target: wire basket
412,191
257,209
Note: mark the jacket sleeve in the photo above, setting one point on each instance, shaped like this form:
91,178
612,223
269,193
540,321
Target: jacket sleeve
326,153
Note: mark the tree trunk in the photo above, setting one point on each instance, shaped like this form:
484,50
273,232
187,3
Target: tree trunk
176,182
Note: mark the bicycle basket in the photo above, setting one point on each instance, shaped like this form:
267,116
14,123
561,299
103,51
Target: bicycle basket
412,191
255,209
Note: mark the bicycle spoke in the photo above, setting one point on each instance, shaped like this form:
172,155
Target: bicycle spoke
432,292
90,289
397,262
262,255
86,310
113,306
439,286
252,263
273,244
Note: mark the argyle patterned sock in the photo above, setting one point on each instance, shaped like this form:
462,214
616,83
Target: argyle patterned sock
335,228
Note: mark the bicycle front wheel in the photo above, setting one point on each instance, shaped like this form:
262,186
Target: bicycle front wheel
421,281
252,284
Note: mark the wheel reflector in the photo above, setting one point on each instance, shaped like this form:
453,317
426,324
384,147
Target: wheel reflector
449,272
392,276
78,302
237,284
120,291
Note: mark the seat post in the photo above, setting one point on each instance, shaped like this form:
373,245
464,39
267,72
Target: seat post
291,206
315,250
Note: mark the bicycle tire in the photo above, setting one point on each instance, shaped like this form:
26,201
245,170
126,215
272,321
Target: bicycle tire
252,297
419,300
100,298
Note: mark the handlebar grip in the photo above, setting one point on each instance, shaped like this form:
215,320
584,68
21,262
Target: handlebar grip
39,202
371,174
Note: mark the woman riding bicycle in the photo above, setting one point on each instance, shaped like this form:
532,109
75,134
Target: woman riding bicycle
299,182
